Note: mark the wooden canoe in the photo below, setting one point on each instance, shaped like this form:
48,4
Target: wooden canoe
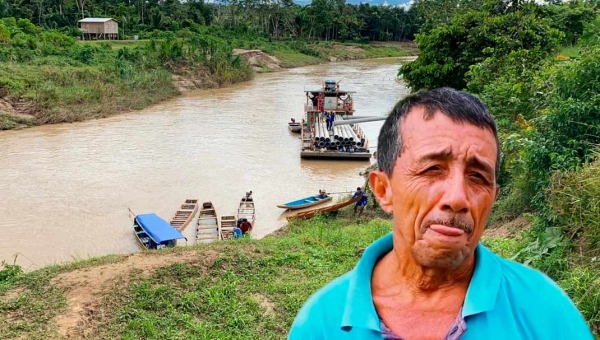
246,210
306,202
312,213
185,214
207,228
228,223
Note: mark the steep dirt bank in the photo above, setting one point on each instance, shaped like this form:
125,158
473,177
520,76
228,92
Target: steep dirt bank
259,60
15,113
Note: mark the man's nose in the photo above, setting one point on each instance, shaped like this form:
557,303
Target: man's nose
455,198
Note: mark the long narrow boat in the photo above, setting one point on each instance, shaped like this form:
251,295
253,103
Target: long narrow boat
185,214
207,228
227,226
306,202
312,213
246,210
153,232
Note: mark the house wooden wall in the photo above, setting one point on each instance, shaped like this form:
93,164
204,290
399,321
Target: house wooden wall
109,27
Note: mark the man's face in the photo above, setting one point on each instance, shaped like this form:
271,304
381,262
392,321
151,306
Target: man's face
442,188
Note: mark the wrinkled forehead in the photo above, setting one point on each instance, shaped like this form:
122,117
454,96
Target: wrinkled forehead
421,133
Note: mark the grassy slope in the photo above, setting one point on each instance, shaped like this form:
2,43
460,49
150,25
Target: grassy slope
323,51
252,289
230,290
75,93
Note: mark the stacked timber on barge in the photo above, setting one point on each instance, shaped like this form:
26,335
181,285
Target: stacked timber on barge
321,138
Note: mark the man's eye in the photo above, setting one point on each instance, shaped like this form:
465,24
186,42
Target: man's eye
432,169
478,176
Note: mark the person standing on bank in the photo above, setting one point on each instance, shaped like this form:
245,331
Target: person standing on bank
362,202
430,278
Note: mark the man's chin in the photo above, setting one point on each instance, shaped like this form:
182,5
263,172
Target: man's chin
440,257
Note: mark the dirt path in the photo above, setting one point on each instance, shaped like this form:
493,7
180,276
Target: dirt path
85,287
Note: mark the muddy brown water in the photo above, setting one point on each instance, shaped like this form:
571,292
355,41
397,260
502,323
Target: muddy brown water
65,189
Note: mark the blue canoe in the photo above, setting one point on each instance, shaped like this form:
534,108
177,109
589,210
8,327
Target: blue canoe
155,233
305,202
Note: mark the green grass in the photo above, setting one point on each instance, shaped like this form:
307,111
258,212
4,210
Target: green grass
350,51
77,93
297,53
117,44
291,58
29,302
9,122
505,247
253,289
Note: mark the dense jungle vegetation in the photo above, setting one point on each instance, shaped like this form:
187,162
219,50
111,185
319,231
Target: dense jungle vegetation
320,19
547,106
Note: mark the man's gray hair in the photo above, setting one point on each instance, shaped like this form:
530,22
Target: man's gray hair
459,106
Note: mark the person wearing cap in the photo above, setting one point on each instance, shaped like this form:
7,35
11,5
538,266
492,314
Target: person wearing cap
430,277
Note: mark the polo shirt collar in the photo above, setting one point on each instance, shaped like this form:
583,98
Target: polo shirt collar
485,283
360,311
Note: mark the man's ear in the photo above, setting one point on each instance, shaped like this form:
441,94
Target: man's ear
382,188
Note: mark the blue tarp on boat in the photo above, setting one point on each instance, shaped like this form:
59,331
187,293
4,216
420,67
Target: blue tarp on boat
157,228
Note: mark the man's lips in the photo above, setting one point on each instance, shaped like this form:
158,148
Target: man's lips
447,231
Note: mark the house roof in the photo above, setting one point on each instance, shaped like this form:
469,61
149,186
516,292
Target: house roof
96,20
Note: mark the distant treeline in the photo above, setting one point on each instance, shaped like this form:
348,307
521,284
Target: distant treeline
277,19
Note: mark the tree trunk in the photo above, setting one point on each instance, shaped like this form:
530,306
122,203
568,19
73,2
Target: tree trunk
40,8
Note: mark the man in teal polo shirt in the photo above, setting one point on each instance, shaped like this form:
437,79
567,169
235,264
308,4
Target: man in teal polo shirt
438,158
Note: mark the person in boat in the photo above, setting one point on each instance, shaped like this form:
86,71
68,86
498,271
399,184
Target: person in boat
293,120
237,233
431,277
245,226
315,101
362,201
322,193
248,196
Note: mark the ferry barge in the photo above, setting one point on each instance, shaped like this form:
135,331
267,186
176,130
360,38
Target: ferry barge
328,130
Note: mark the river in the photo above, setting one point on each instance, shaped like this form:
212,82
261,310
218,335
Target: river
65,189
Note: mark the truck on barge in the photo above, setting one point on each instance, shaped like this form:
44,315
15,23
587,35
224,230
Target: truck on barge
328,130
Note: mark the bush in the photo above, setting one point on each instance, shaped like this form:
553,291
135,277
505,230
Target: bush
85,54
513,86
574,199
565,137
9,272
583,286
448,51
